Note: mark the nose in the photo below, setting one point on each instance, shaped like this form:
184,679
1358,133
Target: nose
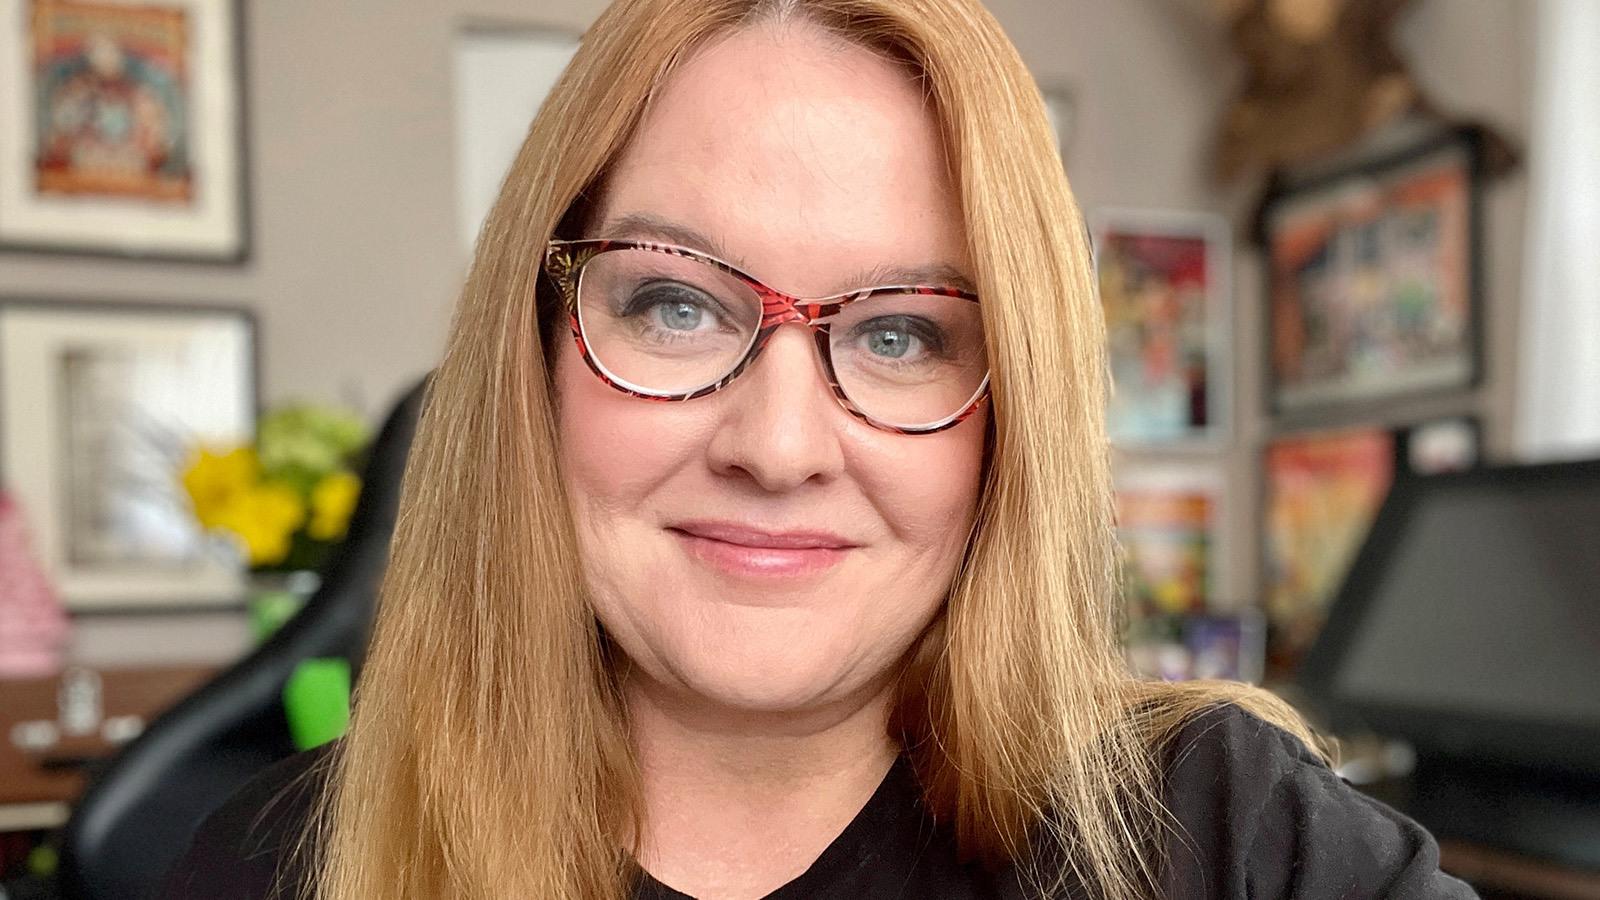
780,423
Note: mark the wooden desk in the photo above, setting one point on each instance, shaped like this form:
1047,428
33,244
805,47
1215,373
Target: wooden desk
34,797
1495,874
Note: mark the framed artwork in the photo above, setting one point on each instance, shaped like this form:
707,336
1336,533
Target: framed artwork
1181,621
1164,283
1060,106
1373,279
100,405
122,128
1168,536
1322,491
502,75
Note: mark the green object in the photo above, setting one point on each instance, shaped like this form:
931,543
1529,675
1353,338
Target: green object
316,701
301,442
42,861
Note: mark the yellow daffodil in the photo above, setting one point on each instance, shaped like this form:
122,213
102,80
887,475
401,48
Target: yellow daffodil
332,501
287,496
264,518
215,478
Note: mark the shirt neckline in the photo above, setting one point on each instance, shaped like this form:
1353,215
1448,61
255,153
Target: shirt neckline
896,801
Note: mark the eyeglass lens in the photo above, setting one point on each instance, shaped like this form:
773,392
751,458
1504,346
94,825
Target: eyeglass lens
668,325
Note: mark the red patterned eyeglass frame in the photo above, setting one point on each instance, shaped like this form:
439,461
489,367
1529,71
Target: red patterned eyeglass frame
563,261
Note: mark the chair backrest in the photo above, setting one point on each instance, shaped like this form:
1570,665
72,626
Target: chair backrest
137,817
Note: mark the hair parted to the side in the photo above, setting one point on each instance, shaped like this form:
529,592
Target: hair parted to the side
488,752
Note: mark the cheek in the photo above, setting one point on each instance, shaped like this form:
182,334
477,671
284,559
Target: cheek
616,454
608,472
926,487
613,447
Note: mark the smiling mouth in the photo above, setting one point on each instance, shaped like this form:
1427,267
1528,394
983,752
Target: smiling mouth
755,553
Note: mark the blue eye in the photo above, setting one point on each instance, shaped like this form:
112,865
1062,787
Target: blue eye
890,343
897,338
672,306
678,315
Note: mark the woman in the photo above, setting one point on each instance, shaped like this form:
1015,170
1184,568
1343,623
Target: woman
837,621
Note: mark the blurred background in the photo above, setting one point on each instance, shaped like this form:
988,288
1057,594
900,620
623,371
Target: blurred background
1346,250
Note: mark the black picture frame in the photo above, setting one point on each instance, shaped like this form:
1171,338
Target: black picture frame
1373,182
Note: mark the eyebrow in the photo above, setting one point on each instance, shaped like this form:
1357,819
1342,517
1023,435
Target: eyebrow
644,226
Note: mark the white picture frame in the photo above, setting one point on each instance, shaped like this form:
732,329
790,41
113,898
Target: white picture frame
1061,108
1150,407
100,406
152,166
502,75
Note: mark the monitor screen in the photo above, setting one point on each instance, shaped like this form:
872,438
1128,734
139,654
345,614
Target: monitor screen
1477,601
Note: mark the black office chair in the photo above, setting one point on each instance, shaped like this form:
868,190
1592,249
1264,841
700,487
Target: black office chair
138,815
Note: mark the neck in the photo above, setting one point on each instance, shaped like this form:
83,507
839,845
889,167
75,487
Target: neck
737,803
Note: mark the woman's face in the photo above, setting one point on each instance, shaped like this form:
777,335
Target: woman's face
809,165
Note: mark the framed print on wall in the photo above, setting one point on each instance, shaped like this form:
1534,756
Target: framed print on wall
1373,279
1061,108
502,76
1168,531
1182,619
121,128
1164,284
100,404
1322,491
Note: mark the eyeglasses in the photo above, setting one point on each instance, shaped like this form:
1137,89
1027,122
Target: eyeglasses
663,322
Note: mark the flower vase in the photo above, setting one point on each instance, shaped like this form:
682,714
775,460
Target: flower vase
274,598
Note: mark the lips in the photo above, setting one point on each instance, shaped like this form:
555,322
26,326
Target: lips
746,551
744,536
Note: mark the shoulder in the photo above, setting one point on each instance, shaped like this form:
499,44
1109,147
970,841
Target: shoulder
1227,741
1256,813
249,849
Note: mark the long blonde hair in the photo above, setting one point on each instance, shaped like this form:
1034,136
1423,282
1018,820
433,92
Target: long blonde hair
488,754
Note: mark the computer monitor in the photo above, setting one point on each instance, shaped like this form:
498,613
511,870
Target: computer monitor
1469,624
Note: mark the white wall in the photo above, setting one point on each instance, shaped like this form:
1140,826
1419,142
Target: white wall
1558,397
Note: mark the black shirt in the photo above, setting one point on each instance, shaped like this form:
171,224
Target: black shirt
1259,816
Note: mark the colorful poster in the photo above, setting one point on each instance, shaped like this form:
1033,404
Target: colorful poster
1371,284
1322,493
1166,542
1163,286
121,128
111,101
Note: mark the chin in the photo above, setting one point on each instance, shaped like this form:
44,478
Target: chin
781,671
767,690
778,652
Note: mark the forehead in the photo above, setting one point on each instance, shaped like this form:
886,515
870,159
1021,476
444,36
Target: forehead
801,159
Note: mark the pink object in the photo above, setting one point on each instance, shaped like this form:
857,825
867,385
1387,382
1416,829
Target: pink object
33,626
